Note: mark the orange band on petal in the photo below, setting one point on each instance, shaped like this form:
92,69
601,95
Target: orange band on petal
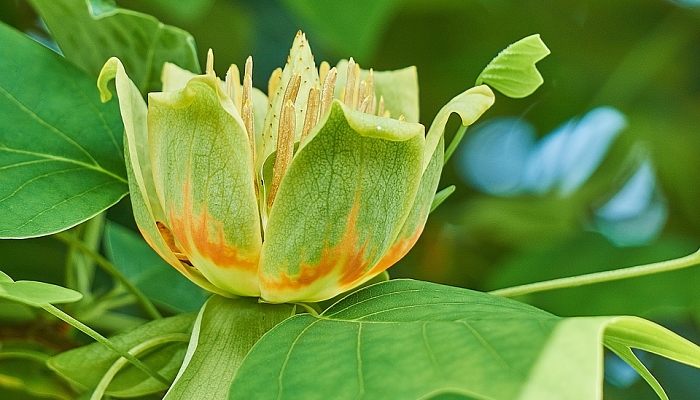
396,252
346,257
198,228
400,248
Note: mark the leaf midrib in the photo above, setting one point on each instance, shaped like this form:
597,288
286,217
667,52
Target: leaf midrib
95,166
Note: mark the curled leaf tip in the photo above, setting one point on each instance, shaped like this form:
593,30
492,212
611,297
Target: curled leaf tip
108,72
513,71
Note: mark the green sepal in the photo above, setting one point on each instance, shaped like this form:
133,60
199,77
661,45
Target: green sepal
340,206
469,105
224,332
513,71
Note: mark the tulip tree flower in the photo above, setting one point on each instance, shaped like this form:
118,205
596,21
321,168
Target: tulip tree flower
296,195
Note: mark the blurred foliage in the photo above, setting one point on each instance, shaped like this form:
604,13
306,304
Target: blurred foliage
640,56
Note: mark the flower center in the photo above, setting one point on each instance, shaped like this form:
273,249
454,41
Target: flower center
358,94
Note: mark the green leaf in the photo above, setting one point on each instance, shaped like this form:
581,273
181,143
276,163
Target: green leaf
416,339
513,71
149,272
86,365
183,11
630,358
24,375
225,331
35,294
61,159
5,278
89,32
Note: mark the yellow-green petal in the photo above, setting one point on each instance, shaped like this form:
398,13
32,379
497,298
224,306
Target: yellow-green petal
175,78
144,200
202,168
399,89
340,206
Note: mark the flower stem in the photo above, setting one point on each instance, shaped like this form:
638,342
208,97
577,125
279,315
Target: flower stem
454,143
80,268
103,340
311,308
599,277
99,391
112,271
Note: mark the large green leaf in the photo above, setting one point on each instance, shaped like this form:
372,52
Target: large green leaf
61,158
410,339
149,272
35,294
225,331
89,32
86,365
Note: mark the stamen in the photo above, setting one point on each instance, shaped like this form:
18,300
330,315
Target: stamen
350,84
328,89
290,94
323,71
233,85
356,98
248,121
247,104
169,240
361,94
285,147
313,104
380,111
285,136
247,96
370,89
366,103
402,118
210,62
273,82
